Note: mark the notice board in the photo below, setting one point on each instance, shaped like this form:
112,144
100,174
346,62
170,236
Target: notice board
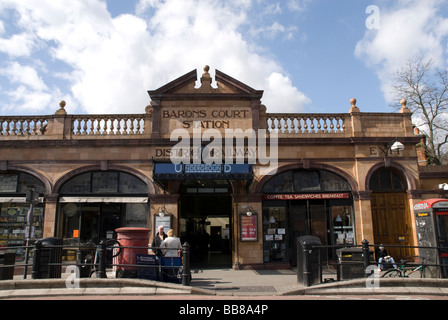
249,227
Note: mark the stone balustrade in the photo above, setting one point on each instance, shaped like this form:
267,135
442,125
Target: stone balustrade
125,124
143,126
300,123
23,125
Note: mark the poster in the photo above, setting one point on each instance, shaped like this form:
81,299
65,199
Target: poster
249,228
164,221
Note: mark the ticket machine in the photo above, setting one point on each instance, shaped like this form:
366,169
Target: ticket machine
431,218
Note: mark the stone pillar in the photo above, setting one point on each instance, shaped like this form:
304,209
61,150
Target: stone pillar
50,218
363,217
247,254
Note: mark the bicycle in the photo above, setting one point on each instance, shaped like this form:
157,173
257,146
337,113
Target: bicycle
404,271
113,249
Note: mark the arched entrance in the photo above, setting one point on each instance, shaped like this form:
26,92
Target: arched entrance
94,203
391,216
305,202
205,222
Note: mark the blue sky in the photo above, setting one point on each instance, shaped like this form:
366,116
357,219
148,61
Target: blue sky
101,56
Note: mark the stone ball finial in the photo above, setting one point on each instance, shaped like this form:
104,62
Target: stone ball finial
353,108
61,108
206,68
404,108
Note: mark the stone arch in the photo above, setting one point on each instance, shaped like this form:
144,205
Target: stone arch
37,175
65,178
296,166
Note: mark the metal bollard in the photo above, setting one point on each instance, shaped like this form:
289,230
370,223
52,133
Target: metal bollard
306,265
102,260
186,264
35,274
365,255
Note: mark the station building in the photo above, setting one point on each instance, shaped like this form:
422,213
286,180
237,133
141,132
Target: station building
341,177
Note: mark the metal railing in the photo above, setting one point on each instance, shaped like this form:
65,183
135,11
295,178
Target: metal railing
310,263
46,261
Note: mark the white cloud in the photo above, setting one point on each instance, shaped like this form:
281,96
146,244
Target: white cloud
112,62
298,5
408,30
287,97
25,75
17,45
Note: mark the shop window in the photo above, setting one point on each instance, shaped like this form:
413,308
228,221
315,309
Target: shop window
87,221
319,212
276,238
14,210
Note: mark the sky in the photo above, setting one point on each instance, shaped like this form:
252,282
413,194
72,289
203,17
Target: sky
312,56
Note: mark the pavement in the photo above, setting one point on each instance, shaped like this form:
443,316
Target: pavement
222,284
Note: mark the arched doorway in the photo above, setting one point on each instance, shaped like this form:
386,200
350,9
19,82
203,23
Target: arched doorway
94,203
305,202
205,222
391,216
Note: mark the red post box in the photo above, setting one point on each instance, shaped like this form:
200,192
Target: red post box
131,237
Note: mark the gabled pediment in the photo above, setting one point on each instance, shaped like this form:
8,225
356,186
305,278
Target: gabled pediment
185,87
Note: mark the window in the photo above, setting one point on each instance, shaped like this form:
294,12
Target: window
306,181
104,182
387,179
19,182
13,215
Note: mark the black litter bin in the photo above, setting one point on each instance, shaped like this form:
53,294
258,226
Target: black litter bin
7,259
351,263
51,258
308,260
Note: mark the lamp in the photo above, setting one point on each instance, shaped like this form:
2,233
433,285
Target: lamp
250,211
397,146
443,186
162,211
393,146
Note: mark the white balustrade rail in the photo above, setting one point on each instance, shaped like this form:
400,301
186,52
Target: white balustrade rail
294,123
126,124
23,125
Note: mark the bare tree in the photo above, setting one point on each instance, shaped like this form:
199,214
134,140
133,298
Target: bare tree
426,92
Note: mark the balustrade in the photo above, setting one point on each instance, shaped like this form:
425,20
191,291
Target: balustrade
23,125
107,124
305,123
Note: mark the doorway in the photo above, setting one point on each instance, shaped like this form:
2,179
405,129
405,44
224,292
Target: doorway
392,223
95,221
205,223
391,217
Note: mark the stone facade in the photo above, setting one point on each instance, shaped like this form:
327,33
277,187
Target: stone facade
57,148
